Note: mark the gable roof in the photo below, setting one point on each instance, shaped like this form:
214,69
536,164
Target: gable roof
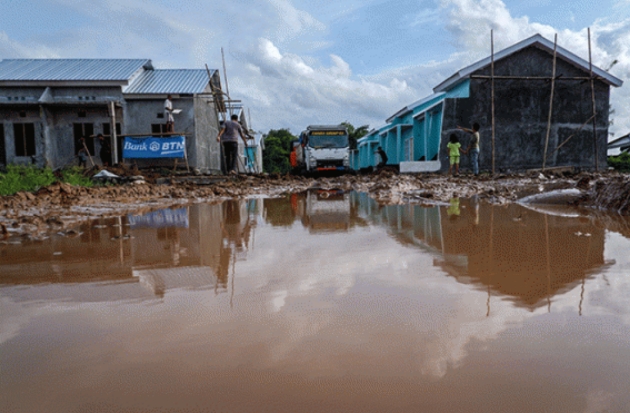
619,142
414,105
541,42
35,71
163,81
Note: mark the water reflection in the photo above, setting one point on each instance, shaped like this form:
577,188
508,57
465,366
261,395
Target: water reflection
191,248
269,304
511,252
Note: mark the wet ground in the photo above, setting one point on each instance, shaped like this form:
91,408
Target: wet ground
324,301
32,217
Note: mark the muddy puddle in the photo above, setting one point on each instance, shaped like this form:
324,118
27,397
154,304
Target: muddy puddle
318,302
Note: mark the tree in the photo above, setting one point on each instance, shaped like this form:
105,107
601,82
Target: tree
277,151
354,134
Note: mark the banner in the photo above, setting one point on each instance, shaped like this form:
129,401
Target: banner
171,147
164,218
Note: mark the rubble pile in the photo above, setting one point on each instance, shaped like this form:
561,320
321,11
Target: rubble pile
59,207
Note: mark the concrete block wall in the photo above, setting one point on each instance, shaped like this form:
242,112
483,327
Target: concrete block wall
521,113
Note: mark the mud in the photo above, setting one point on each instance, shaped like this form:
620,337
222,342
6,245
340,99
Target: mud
61,207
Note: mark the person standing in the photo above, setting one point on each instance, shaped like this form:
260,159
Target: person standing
168,114
454,149
383,156
105,152
228,136
473,147
83,153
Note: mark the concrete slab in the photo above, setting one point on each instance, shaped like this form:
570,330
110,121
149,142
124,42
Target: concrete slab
420,166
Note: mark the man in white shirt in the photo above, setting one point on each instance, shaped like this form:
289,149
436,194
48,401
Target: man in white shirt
168,114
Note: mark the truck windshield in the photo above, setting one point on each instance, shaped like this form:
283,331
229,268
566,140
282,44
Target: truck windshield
328,141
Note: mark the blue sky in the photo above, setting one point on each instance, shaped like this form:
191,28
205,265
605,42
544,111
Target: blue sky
297,62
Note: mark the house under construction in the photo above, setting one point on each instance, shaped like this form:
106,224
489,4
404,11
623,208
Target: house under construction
48,105
513,90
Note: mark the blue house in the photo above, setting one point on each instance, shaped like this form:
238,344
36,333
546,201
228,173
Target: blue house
415,137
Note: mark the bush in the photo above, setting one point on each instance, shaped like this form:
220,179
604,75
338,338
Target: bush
30,178
620,163
74,176
24,178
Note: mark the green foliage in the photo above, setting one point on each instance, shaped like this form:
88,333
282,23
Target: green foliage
74,176
29,178
277,151
24,178
620,163
354,134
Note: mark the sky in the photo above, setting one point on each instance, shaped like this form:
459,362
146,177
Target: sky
300,62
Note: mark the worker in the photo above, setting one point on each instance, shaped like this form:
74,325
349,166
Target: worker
383,156
228,136
168,114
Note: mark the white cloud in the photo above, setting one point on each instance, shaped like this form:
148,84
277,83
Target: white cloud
273,51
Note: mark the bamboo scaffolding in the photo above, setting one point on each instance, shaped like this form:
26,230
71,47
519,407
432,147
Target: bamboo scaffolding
227,87
545,78
113,140
567,139
590,66
552,78
553,84
492,91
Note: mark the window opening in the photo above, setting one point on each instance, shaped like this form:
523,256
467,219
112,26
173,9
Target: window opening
24,134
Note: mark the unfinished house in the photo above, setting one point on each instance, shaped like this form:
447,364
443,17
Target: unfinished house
48,105
415,137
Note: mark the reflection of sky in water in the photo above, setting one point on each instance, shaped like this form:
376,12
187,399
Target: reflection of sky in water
393,293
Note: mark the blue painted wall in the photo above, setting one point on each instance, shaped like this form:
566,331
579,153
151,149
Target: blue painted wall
420,122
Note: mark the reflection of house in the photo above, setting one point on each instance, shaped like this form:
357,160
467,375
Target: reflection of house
159,254
520,254
415,137
47,105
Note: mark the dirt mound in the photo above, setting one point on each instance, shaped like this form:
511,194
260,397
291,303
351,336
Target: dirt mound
612,193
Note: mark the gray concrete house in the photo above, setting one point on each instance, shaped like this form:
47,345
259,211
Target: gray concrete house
47,105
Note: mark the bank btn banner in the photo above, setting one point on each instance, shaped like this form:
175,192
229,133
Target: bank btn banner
165,218
171,147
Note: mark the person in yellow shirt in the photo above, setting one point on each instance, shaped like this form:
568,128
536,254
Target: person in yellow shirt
454,152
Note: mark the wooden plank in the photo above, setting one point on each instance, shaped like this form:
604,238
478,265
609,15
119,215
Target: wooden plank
594,117
492,93
544,78
553,84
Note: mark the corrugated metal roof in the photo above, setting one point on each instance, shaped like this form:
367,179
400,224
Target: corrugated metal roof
29,70
176,81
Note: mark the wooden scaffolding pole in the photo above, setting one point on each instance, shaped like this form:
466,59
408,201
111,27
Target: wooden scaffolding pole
543,78
227,87
553,84
113,138
492,92
590,66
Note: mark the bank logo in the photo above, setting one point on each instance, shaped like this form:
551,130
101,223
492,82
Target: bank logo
155,146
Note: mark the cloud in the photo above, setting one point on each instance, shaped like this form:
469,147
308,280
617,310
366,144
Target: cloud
282,63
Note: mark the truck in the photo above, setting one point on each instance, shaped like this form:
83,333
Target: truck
321,148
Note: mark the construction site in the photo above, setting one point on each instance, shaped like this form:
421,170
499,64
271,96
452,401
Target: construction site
373,281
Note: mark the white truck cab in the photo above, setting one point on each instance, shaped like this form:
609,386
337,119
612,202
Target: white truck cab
323,148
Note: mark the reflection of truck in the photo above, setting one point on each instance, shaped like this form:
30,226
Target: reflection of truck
326,211
321,148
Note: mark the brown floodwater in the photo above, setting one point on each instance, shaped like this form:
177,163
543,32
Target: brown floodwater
321,302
